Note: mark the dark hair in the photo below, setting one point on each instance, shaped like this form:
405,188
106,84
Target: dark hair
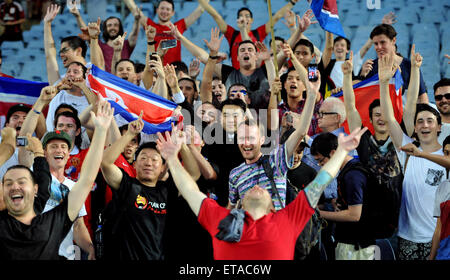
147,145
19,166
373,105
446,142
68,114
421,107
139,67
244,9
236,102
283,79
122,60
67,106
105,34
247,42
168,1
277,38
125,127
444,82
237,84
339,38
16,108
194,85
76,42
82,67
323,144
384,29
304,42
180,66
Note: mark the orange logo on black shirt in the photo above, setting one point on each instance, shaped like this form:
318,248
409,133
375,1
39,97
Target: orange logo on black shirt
141,202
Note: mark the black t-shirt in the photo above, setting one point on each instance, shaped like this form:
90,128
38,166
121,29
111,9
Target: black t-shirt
38,241
301,176
142,226
41,171
257,84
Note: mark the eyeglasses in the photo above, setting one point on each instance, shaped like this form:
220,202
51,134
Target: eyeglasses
321,114
440,96
63,50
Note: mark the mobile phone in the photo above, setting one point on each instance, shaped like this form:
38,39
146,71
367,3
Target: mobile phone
153,57
312,75
168,44
21,141
289,118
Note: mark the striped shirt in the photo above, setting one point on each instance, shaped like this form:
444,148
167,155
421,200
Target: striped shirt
246,176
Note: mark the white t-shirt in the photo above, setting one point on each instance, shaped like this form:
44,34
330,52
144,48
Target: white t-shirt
336,74
421,180
445,131
66,248
442,195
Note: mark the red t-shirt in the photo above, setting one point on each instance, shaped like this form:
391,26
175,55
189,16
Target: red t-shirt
271,237
108,53
173,54
234,45
11,12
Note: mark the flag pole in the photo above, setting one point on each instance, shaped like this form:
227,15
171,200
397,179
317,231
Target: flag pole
273,45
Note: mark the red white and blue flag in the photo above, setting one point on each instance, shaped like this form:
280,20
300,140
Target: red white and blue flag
326,13
369,90
128,100
14,91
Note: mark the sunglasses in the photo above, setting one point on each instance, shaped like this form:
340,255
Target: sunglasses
440,96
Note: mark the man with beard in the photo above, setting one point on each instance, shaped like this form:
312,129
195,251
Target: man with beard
165,10
442,98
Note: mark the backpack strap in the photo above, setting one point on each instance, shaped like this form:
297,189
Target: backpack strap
264,161
406,162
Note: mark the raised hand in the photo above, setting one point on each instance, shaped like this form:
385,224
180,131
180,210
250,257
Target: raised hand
313,87
173,31
347,66
416,58
214,44
65,84
34,144
389,18
104,116
386,69
94,29
448,57
150,32
52,11
9,133
305,21
264,53
157,66
171,76
290,19
167,147
288,53
73,8
194,68
351,141
242,24
367,67
48,93
135,127
276,86
118,42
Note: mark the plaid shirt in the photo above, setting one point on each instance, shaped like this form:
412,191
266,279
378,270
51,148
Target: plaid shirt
314,127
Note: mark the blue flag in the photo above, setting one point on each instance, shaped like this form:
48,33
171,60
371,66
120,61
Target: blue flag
326,13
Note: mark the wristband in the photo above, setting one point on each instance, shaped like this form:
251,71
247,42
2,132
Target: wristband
37,112
151,43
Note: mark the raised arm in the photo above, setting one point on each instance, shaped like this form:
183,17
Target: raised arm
272,108
330,169
89,170
412,150
76,13
117,56
147,75
206,169
215,15
413,91
132,39
160,87
353,117
189,162
302,125
193,17
328,49
96,52
213,46
132,7
49,45
113,175
184,182
280,13
386,71
8,144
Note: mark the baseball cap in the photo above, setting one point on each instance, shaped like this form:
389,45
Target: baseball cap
17,108
57,134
